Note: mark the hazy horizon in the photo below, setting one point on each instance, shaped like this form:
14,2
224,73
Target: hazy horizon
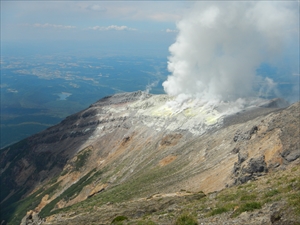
57,57
89,27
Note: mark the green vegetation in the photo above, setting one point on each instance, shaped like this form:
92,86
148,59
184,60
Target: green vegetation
82,158
249,206
186,219
15,212
293,201
70,193
119,220
14,153
271,193
148,222
218,211
225,197
64,172
233,201
199,195
284,187
12,212
138,186
294,169
248,197
238,198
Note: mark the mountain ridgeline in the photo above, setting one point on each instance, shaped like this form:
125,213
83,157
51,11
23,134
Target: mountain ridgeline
137,158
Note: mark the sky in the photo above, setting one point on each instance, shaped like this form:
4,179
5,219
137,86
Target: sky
122,27
213,48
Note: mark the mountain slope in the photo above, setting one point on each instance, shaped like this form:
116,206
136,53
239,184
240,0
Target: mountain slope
133,145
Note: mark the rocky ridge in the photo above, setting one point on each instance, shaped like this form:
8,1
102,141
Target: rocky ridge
128,146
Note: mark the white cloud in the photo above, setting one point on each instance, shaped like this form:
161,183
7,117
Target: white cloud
171,31
112,27
97,8
152,11
49,25
160,17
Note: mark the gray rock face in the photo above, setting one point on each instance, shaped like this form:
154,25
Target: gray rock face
276,103
245,136
250,170
121,98
256,165
291,155
31,218
247,169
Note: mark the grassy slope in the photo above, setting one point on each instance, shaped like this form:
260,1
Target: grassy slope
282,186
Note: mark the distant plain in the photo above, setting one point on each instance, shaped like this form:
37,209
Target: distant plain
40,91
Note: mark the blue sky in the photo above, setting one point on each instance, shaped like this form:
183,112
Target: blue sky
209,45
75,26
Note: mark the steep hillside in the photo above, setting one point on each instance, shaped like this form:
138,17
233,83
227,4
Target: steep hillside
127,147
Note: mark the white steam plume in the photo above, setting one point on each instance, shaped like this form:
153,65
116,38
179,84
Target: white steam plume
150,86
221,44
268,88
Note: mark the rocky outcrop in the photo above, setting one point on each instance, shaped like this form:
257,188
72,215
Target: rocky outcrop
254,168
31,218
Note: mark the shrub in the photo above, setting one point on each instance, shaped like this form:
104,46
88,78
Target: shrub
218,211
293,201
248,197
69,193
227,197
81,159
186,219
250,206
271,193
119,219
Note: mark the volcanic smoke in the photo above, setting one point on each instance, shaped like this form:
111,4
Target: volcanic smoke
220,45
